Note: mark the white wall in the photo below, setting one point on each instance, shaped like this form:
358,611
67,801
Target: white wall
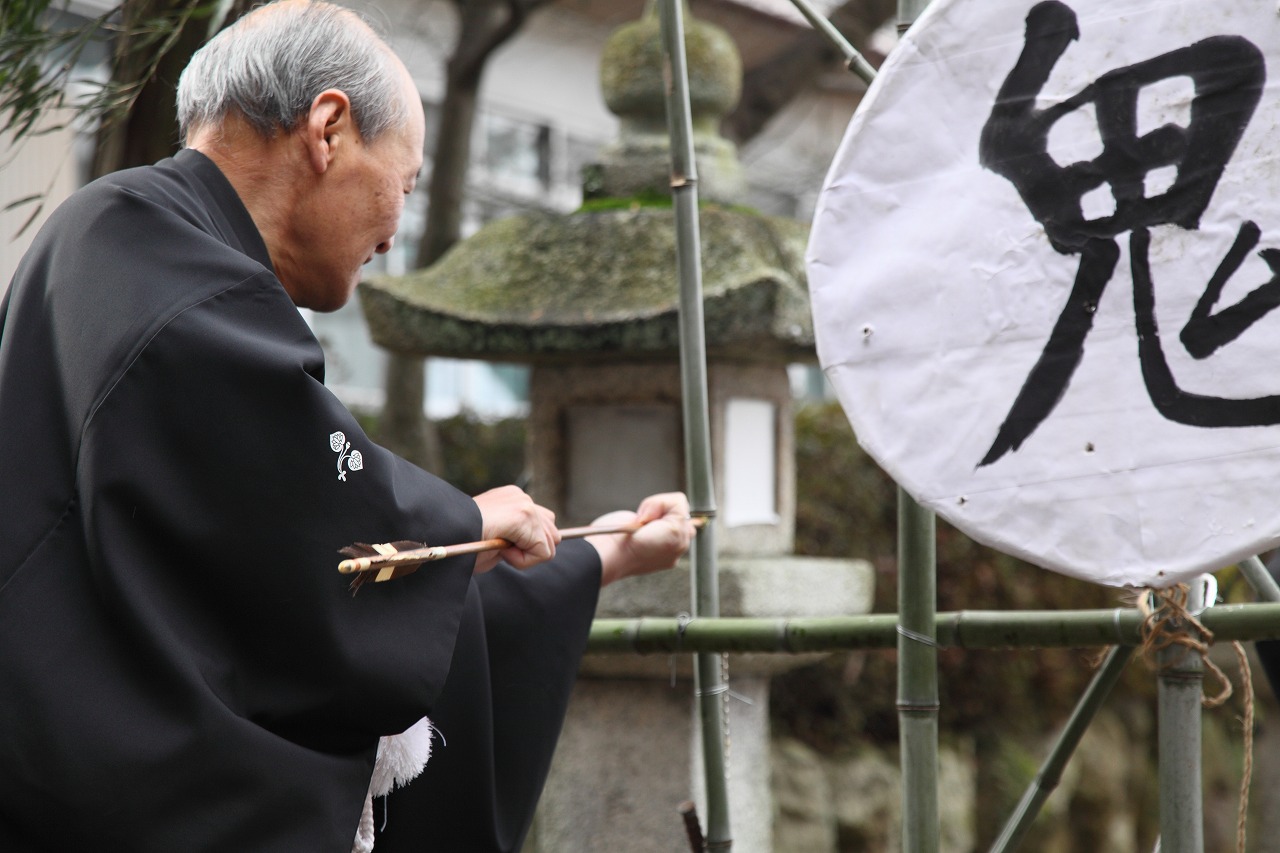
42,165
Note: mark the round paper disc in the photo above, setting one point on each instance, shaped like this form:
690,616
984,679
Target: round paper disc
1045,272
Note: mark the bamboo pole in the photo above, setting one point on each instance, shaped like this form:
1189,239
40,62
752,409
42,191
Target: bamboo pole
1179,691
1051,771
709,684
917,649
853,59
917,586
917,676
964,629
1264,585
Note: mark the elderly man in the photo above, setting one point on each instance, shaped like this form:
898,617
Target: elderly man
181,666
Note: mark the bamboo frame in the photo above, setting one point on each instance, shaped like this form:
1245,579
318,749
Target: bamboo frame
917,627
1099,688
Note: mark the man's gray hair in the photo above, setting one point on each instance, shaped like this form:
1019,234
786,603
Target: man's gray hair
270,65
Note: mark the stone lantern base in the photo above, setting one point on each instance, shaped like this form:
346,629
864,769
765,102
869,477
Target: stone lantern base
630,752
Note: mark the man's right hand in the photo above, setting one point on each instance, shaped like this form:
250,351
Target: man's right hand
511,514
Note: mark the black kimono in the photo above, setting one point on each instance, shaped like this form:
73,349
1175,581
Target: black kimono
182,667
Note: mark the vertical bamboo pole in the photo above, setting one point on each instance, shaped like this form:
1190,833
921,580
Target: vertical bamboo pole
917,651
917,676
708,677
1179,693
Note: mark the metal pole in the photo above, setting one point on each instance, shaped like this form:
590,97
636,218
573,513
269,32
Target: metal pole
1051,771
709,683
1179,694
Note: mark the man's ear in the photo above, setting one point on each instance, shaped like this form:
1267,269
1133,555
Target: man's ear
328,125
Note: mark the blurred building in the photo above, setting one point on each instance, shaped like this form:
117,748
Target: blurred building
541,119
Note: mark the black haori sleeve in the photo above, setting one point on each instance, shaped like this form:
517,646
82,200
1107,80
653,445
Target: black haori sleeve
226,478
501,711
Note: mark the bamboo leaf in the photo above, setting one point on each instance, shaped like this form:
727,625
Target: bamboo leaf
26,223
26,199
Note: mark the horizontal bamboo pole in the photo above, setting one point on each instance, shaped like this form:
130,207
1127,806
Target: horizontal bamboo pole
969,629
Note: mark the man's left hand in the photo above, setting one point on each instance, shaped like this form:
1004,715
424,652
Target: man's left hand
666,535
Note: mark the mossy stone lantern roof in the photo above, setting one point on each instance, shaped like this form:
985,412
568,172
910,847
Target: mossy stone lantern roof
551,287
601,282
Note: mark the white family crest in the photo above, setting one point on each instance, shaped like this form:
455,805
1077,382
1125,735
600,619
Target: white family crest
355,461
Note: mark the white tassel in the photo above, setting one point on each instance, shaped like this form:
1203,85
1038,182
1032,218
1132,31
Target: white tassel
400,759
364,832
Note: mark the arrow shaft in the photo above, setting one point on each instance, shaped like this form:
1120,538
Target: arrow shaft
429,554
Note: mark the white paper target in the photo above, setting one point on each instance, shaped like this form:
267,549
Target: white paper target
1045,272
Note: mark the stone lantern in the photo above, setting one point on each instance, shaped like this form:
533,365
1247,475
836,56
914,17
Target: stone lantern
590,300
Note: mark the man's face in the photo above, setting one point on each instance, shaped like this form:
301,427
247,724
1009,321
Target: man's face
353,215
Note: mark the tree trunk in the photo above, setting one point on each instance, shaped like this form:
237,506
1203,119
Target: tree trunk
148,129
448,186
483,27
405,428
